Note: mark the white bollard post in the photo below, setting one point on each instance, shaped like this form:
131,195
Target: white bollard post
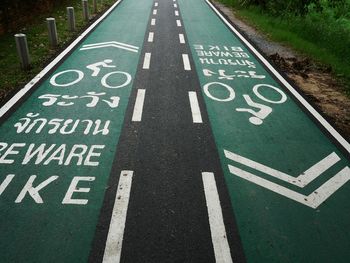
95,6
51,26
86,10
22,50
71,18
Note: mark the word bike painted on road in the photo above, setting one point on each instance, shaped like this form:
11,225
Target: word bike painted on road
223,55
34,192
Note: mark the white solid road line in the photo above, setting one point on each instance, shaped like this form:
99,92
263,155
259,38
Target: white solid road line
196,112
150,37
186,61
116,228
217,227
154,11
307,105
176,13
138,108
182,39
178,23
147,61
8,105
153,22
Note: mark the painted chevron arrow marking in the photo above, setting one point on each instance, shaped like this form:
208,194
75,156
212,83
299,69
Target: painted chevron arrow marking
111,44
313,200
302,180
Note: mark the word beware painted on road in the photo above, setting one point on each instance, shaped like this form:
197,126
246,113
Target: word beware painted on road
77,154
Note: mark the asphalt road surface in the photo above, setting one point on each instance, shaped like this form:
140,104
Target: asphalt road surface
162,135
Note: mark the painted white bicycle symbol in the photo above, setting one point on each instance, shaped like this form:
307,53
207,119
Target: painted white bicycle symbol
95,68
261,112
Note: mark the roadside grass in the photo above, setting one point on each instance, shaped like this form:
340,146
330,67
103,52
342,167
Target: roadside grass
322,43
11,75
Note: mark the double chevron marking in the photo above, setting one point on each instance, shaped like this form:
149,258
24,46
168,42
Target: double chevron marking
114,44
315,199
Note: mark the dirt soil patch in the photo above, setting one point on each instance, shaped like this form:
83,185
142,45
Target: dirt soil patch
314,81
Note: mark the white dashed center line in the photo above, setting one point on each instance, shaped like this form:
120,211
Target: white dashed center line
116,228
186,61
178,22
153,22
196,112
138,108
147,61
182,39
150,37
216,221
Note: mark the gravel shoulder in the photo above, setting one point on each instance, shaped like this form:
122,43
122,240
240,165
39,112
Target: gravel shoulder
314,81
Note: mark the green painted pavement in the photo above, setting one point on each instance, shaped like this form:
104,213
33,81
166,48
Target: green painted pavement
61,228
280,226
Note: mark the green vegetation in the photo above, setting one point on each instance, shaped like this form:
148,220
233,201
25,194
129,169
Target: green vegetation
319,29
11,75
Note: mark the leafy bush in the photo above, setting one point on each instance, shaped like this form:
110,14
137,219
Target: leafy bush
323,22
328,22
299,7
319,29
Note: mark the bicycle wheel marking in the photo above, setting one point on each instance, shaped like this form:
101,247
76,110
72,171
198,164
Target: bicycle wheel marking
56,150
54,77
288,183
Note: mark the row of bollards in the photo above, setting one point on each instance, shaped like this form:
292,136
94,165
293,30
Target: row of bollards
21,39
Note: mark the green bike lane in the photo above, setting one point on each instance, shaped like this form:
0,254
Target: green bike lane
287,176
57,148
